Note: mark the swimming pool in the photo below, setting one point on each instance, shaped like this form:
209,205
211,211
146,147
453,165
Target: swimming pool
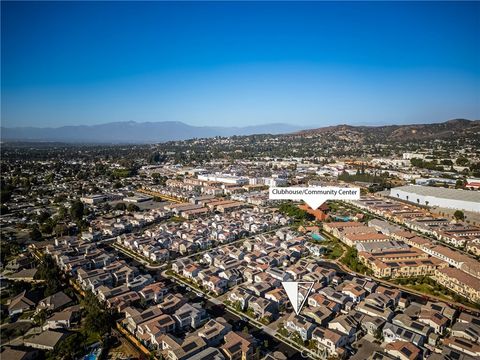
317,237
94,355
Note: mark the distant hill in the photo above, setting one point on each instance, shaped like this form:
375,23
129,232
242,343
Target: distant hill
451,129
155,132
135,132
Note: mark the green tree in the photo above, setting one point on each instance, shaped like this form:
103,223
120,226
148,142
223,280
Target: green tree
49,271
462,161
460,183
132,207
73,347
120,206
35,234
97,319
459,215
76,210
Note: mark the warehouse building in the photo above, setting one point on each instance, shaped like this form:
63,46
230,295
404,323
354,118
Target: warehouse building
442,197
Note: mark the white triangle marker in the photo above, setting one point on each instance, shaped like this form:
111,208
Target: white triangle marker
292,290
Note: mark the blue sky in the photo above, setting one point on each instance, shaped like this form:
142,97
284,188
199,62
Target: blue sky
233,63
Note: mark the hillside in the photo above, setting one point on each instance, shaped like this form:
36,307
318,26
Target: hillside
451,129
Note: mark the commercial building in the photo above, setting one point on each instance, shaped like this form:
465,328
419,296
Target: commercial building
94,199
224,178
433,196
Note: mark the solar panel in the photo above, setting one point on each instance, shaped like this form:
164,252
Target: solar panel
464,343
417,326
406,351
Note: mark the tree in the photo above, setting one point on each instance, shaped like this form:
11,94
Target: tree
132,207
76,210
459,215
71,348
4,209
378,334
120,206
49,271
460,183
40,317
97,319
60,229
35,234
462,161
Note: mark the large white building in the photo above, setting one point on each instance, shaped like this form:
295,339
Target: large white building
436,196
224,178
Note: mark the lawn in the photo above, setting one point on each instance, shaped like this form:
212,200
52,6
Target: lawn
334,251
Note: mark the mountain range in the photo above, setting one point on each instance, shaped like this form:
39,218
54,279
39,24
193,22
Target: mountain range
135,132
155,132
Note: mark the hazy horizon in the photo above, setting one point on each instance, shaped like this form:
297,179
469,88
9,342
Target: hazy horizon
235,64
302,127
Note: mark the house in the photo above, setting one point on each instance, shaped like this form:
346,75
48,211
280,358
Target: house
140,282
191,346
279,274
120,302
464,346
151,330
444,309
190,315
467,331
319,315
134,318
46,340
104,292
20,303
17,354
181,264
319,300
214,331
380,300
191,271
300,325
171,303
233,276
216,284
392,332
54,302
406,322
278,296
368,285
238,346
209,353
434,319
369,308
330,340
345,324
372,324
354,292
240,295
260,289
403,350
333,295
154,292
59,320
262,307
